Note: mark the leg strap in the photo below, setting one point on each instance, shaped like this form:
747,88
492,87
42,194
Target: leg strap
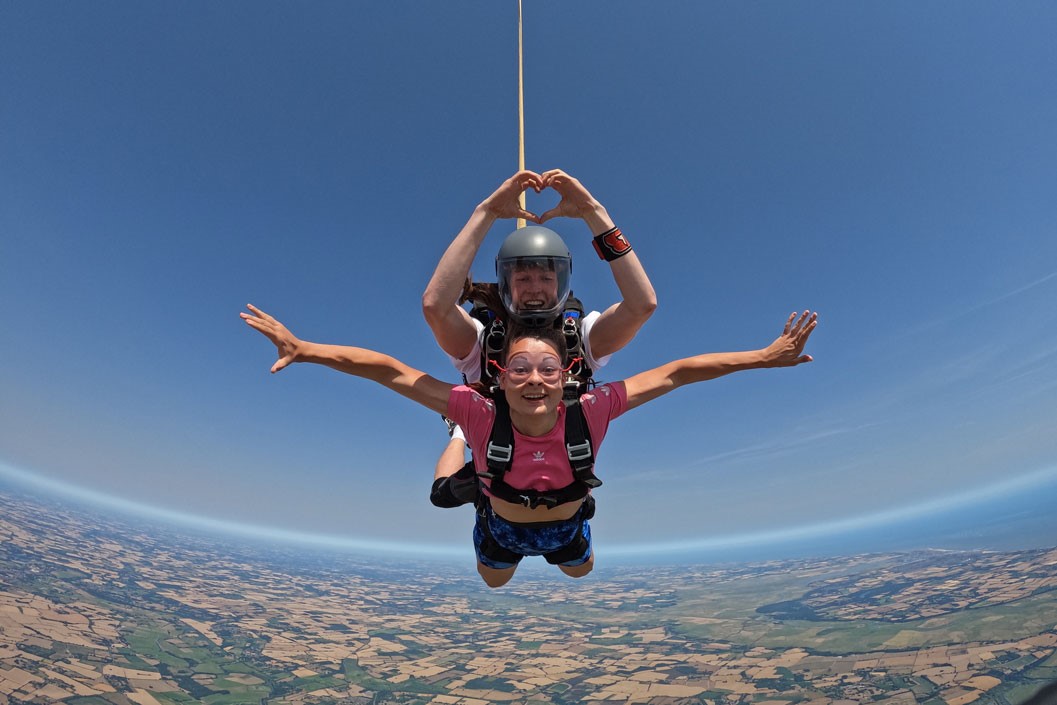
578,546
490,548
570,551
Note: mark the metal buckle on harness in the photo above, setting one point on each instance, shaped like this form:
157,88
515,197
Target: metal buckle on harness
533,502
493,342
500,454
585,474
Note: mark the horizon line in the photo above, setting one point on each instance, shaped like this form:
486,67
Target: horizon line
784,535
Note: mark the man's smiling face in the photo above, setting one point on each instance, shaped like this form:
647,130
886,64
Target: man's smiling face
534,288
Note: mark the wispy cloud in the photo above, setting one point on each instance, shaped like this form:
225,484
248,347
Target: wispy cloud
1015,292
1033,364
767,452
980,305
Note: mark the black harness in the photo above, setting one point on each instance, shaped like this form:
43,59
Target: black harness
464,486
579,377
500,454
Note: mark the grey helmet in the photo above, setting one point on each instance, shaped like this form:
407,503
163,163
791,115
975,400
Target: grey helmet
537,258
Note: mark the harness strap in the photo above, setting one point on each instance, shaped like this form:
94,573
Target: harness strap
500,449
490,548
570,551
578,446
536,498
578,546
579,378
500,455
492,349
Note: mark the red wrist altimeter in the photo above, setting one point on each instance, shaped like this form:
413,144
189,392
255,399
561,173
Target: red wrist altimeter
611,245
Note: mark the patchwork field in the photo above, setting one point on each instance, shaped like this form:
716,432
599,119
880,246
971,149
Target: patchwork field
100,611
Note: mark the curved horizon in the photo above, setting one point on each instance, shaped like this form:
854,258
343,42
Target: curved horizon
773,537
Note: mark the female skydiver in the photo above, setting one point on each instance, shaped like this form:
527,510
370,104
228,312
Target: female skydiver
530,384
533,270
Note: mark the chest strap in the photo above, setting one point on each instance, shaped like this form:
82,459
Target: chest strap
500,456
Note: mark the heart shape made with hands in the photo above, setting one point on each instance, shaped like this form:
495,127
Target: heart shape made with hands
542,202
573,199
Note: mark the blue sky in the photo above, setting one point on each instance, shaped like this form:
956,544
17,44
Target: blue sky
891,165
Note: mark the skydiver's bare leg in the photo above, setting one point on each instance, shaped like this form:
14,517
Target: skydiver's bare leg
453,457
496,577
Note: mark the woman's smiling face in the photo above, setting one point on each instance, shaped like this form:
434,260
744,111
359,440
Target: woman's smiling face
532,380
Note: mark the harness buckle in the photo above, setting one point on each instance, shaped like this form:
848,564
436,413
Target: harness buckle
533,502
493,341
500,454
579,451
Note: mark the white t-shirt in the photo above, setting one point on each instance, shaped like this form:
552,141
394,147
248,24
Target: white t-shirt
470,365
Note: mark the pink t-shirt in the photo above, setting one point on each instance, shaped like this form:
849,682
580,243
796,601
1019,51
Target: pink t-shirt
540,462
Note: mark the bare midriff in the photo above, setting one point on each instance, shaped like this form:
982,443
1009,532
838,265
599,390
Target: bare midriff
520,514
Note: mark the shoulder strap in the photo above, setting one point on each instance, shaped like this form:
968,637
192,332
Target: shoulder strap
491,341
580,376
492,349
578,445
500,449
480,312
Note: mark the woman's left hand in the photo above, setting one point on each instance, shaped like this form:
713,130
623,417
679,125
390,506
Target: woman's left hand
788,349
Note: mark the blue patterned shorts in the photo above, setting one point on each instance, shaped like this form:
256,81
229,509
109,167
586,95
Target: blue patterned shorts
530,539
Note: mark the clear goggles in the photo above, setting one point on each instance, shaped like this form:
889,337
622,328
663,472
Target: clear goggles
521,368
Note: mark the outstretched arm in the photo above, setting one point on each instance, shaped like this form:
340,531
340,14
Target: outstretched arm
620,322
451,325
786,351
383,369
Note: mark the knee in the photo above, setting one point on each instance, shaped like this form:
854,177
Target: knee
494,577
579,571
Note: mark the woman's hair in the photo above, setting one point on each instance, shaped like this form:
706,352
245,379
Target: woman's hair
486,294
548,335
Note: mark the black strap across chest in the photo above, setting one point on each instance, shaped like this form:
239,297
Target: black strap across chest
500,456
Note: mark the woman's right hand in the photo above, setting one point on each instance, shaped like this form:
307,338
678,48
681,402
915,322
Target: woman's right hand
286,343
